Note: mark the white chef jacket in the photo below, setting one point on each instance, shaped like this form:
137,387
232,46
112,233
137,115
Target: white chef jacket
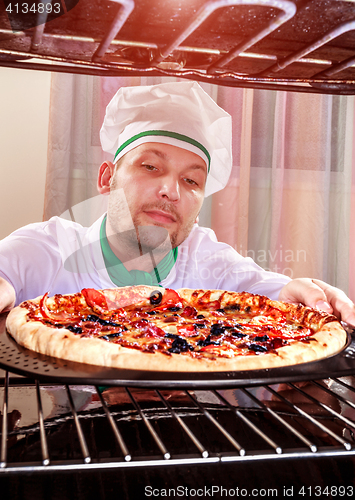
61,256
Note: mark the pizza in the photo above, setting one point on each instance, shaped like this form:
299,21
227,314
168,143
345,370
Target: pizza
147,328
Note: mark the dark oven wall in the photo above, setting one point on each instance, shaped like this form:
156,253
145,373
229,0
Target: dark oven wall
303,45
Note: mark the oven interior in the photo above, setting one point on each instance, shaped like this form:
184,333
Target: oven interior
300,45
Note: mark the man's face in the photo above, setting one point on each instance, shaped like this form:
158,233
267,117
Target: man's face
164,187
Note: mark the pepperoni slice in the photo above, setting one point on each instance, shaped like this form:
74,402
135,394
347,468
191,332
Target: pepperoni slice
61,316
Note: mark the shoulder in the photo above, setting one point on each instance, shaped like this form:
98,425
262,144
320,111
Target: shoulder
54,233
47,227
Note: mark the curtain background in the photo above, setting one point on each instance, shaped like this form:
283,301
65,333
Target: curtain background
290,201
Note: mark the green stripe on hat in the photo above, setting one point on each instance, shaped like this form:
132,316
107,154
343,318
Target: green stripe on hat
165,133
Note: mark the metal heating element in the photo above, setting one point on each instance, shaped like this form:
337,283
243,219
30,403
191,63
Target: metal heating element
52,427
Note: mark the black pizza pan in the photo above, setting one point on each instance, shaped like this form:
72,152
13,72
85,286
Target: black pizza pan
21,361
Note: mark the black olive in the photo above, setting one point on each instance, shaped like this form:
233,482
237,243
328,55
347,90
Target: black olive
220,310
237,334
262,338
180,345
171,336
235,307
111,336
247,309
257,348
217,329
112,323
74,329
207,341
156,297
174,308
200,316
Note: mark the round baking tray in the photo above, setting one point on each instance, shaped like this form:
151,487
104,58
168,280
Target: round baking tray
21,361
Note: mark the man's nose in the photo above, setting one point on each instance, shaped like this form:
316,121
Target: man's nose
170,188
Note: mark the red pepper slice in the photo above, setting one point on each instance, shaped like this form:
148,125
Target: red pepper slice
170,299
94,298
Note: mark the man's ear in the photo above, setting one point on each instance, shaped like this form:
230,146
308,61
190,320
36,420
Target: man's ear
105,177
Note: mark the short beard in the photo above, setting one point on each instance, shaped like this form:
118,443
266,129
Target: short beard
139,238
151,238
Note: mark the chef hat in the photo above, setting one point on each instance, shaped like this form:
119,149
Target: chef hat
181,114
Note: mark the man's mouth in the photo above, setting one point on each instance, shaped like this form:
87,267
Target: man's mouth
160,216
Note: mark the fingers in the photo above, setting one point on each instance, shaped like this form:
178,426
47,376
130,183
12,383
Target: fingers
319,295
316,297
305,291
342,306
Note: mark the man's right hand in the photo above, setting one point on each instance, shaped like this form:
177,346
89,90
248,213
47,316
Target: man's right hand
7,295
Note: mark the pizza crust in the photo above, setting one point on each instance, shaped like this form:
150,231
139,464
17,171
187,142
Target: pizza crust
62,343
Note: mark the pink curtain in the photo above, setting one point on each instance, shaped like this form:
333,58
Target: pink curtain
290,200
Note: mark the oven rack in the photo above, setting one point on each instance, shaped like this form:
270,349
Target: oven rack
299,45
125,428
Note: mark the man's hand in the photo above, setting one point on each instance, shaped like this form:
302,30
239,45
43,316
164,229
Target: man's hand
319,295
7,295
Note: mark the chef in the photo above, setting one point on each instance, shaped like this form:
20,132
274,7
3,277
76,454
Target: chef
171,147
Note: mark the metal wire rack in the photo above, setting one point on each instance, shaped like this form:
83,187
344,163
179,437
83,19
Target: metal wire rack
300,45
76,428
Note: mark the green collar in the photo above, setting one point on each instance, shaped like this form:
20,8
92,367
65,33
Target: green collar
119,274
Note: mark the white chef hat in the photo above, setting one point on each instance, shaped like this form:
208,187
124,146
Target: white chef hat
181,114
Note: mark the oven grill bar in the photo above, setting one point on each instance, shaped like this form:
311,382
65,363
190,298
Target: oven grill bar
200,447
288,10
312,446
126,8
83,445
223,57
219,426
297,56
44,447
312,419
326,407
151,427
258,431
115,429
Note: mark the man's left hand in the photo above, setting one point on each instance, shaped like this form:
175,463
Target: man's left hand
319,295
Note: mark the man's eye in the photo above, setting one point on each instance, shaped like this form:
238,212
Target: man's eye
190,181
149,167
